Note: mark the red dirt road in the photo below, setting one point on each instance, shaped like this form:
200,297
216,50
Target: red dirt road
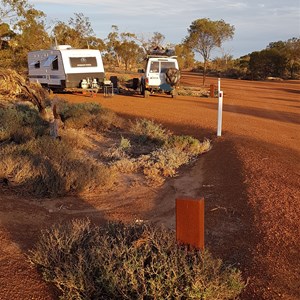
250,181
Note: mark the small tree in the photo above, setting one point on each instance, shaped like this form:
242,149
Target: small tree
22,28
185,56
128,51
122,49
268,62
205,35
32,36
293,56
78,33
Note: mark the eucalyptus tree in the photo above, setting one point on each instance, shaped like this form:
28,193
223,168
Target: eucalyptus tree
23,28
78,33
122,49
204,35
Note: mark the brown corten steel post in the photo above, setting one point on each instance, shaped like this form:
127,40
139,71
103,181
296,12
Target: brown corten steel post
190,222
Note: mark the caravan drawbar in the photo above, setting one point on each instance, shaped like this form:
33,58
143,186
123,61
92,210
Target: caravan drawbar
64,68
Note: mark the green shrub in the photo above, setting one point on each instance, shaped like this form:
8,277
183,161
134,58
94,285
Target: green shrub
120,261
193,91
125,144
20,123
125,165
147,130
90,115
163,163
161,153
77,115
68,110
187,144
105,120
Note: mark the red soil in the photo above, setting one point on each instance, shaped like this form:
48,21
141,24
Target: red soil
250,181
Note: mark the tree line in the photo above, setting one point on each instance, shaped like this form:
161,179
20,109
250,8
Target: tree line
23,28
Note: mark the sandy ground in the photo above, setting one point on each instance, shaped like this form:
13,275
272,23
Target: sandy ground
250,181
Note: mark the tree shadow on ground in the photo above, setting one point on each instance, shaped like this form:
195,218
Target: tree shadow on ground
23,217
286,117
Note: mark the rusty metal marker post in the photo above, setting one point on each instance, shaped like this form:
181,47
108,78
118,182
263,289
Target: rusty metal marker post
190,222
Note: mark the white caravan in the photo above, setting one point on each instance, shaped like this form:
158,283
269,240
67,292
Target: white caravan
64,68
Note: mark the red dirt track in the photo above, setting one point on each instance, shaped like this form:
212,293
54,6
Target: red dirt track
250,181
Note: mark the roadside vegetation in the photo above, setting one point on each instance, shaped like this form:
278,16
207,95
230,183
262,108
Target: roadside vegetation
135,261
33,161
93,148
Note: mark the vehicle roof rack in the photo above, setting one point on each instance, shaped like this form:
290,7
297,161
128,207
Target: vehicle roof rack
160,56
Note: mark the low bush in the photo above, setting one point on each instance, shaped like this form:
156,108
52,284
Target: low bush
187,144
70,110
194,92
105,120
160,161
68,164
163,163
147,130
91,115
20,123
48,167
119,261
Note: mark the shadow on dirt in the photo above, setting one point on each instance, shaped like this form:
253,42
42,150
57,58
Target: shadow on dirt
287,117
22,219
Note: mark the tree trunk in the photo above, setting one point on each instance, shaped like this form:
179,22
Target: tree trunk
204,72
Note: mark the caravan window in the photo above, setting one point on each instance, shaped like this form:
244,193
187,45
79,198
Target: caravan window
55,64
35,64
49,60
79,62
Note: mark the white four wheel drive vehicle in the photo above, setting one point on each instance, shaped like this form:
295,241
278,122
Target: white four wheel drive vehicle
160,75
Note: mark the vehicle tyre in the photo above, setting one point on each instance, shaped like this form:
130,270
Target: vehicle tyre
172,76
142,88
135,83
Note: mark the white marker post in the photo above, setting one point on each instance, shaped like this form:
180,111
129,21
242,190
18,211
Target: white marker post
220,108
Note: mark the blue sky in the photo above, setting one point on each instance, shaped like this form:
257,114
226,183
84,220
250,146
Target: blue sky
256,22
